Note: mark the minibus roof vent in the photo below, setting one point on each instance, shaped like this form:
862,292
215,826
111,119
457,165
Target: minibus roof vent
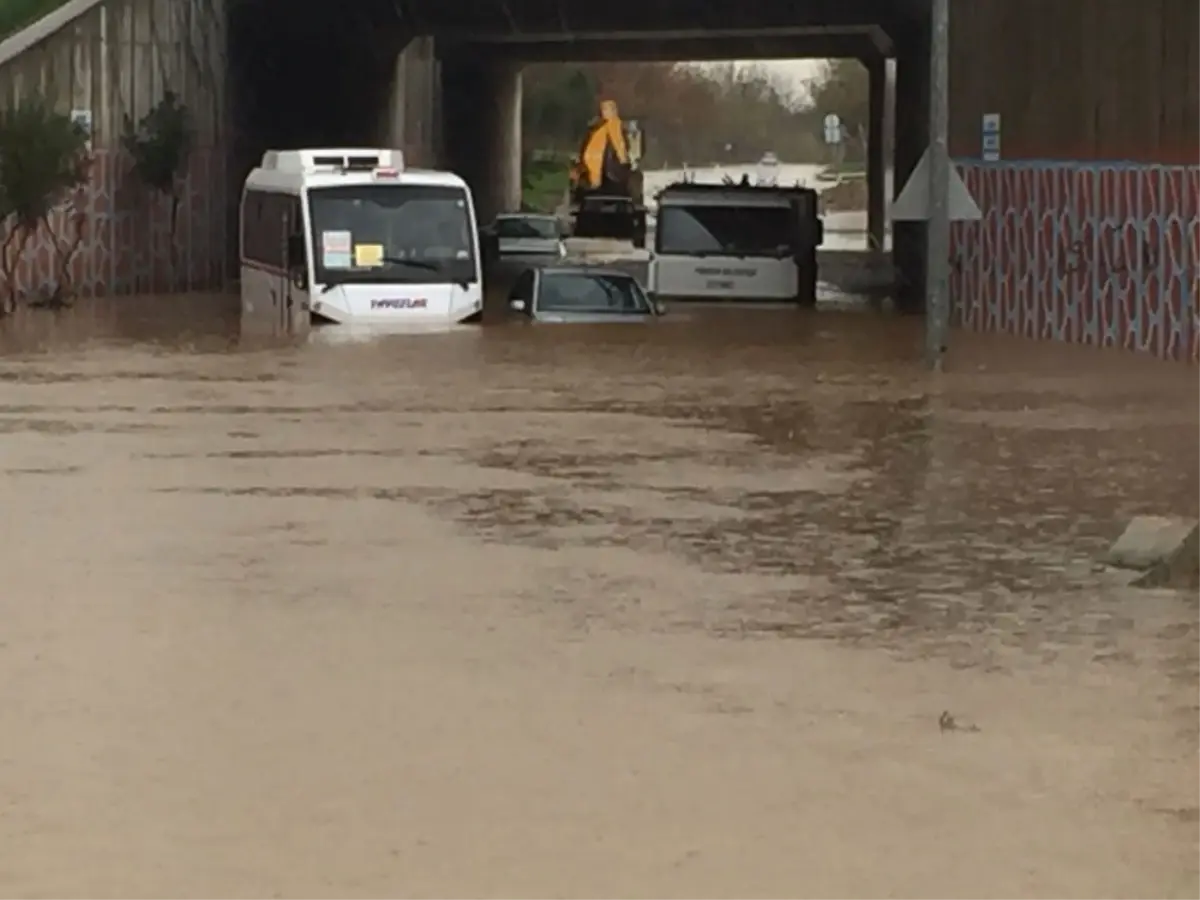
332,160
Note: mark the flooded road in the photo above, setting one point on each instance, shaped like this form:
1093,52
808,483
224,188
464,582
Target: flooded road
595,611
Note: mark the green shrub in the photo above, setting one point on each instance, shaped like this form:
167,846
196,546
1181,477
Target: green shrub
544,182
17,14
43,157
160,144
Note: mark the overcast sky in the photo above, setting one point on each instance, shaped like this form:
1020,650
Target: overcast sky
794,71
790,73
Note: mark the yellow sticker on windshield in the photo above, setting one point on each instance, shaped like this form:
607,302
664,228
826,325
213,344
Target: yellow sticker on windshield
368,255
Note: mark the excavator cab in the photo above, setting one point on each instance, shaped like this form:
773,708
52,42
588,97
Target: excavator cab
606,183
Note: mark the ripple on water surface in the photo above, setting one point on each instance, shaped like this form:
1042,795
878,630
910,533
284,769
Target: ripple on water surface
656,507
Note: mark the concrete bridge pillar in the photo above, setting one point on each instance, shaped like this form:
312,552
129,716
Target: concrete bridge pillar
481,120
911,139
877,142
411,118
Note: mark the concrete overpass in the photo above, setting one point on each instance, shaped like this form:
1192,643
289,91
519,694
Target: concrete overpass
1090,229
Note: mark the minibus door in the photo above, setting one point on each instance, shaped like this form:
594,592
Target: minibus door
295,315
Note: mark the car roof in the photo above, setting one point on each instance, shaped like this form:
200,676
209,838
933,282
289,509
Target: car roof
578,268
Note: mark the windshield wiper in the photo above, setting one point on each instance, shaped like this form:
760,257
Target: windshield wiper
428,266
411,263
415,263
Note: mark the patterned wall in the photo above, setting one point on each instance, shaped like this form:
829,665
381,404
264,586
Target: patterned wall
126,244
115,60
1102,254
1107,255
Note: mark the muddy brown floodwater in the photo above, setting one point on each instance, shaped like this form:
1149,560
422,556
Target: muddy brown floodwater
601,611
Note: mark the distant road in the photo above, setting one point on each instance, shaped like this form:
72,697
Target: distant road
843,227
804,174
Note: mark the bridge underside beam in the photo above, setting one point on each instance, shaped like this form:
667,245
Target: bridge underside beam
824,45
656,19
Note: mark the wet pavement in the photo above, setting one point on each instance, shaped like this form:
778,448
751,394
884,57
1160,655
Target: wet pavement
667,610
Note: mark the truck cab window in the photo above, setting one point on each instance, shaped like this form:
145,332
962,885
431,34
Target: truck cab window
725,230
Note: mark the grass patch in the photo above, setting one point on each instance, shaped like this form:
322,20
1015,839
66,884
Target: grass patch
847,170
17,14
544,184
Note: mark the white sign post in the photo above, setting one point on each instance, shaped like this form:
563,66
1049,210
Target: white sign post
833,138
990,137
83,118
833,129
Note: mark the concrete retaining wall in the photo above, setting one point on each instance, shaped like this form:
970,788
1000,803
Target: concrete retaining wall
114,60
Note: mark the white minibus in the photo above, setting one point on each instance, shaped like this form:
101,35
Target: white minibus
350,236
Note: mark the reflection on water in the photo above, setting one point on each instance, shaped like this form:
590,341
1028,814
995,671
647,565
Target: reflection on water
245,578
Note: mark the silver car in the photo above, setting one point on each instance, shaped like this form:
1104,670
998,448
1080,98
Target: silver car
581,294
527,236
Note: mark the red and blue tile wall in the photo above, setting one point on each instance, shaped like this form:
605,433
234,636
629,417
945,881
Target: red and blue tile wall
1103,254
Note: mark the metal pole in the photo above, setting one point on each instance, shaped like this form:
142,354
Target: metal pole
937,245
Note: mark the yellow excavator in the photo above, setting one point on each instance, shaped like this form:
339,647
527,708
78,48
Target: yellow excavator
606,181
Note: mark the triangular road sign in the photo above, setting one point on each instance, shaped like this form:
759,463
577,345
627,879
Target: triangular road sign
913,203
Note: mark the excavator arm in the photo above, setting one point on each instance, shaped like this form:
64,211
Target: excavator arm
605,183
604,156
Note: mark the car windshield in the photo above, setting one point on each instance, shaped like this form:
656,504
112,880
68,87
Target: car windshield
391,233
525,228
725,230
586,292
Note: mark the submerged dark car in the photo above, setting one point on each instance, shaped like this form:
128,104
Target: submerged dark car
581,294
